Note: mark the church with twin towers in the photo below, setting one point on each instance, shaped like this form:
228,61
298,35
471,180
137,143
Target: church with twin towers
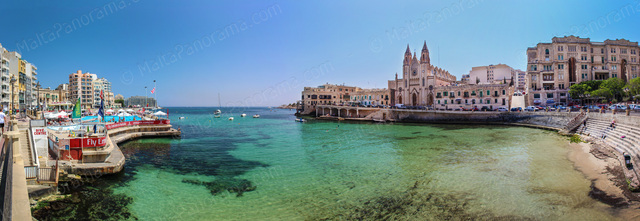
419,79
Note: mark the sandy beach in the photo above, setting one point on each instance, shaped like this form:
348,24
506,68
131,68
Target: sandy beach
599,164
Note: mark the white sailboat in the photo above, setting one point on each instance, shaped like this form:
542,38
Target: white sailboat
230,118
243,115
256,116
217,113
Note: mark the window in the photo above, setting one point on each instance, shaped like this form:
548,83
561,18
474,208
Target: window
614,67
601,50
458,93
560,48
623,50
488,93
613,58
546,51
549,95
445,93
561,66
534,67
613,50
536,95
561,57
504,92
572,48
584,67
633,51
583,58
583,49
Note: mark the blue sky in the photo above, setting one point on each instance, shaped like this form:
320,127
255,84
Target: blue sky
262,53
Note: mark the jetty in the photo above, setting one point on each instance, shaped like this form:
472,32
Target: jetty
34,156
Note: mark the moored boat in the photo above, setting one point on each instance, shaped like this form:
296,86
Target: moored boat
243,115
230,118
256,116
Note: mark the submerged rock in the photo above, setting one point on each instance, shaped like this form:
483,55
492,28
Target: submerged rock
233,185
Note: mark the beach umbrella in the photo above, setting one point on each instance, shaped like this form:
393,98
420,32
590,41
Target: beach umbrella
160,113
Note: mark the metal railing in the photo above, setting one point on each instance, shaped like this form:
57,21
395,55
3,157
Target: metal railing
31,172
6,165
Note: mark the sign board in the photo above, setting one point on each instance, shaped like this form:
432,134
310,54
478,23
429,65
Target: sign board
88,142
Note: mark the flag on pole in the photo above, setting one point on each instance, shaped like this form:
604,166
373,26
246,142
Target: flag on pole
101,110
101,97
77,110
153,90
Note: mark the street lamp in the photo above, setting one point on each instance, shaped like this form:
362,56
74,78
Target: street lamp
145,96
155,96
38,94
13,81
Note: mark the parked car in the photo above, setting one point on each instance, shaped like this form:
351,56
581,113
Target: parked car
531,108
539,107
617,107
560,107
516,109
475,109
502,109
485,108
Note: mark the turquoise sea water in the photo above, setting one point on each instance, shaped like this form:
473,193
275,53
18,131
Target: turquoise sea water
273,168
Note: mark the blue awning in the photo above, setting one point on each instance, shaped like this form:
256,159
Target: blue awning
550,101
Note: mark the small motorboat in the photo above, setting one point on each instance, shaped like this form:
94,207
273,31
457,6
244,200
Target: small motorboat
217,116
300,120
217,112
256,116
243,115
181,118
230,118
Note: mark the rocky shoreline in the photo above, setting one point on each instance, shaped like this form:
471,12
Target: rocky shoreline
599,164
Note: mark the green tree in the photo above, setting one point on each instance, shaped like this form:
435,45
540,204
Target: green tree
602,92
615,87
577,91
634,87
120,101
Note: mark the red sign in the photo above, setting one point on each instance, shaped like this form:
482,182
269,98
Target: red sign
88,142
134,123
39,131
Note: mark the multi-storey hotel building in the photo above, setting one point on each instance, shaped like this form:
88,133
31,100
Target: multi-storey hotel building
419,78
81,86
553,67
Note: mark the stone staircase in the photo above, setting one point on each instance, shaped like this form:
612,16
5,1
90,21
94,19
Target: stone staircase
25,147
613,136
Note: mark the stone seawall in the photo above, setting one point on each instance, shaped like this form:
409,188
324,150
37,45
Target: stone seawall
546,120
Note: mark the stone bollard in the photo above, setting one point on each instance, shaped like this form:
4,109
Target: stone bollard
628,111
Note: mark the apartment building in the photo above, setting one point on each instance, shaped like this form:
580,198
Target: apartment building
491,74
553,67
23,74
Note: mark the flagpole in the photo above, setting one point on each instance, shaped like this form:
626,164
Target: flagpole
155,96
